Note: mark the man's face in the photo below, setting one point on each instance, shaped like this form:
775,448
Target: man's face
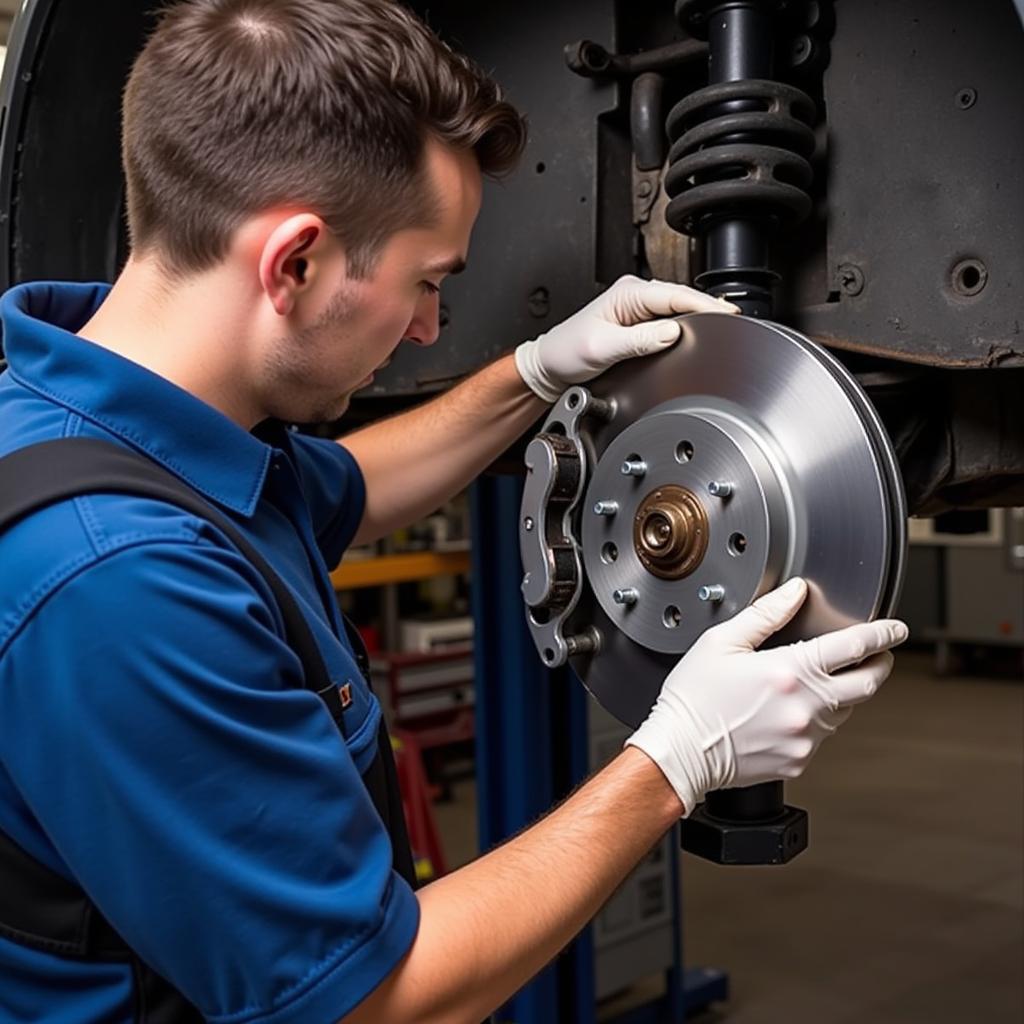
355,326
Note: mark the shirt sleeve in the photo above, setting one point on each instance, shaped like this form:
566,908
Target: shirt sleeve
333,486
205,802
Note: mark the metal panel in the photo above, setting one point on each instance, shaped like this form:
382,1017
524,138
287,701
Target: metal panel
925,172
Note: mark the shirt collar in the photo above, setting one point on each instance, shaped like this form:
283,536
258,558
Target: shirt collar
210,452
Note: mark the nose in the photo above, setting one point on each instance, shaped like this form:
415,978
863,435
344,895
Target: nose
424,327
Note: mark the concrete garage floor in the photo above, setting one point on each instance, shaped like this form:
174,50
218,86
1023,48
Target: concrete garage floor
909,905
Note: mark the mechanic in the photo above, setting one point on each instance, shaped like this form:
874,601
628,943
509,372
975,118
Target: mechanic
301,177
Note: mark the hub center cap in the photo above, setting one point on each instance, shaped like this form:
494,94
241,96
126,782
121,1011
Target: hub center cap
670,532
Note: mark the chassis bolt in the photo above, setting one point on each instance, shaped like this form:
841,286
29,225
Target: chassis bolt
966,98
634,467
605,508
539,303
715,592
627,596
802,51
851,278
719,489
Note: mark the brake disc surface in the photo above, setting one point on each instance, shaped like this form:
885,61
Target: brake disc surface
698,480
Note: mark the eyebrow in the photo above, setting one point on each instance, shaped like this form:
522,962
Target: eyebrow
454,265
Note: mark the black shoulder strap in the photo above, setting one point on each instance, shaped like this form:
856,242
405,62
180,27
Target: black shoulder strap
43,910
51,471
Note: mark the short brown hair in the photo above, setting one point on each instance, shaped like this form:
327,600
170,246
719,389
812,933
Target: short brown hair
237,106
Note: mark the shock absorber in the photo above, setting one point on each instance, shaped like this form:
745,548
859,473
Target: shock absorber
737,172
738,168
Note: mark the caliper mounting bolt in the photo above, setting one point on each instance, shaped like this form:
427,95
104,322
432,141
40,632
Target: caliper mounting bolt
587,642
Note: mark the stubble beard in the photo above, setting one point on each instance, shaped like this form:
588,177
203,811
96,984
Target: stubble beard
292,365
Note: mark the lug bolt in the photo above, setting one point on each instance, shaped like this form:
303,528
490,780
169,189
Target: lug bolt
627,596
528,524
719,489
605,508
715,592
634,467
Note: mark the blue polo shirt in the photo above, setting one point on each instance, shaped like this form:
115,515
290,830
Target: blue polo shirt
156,744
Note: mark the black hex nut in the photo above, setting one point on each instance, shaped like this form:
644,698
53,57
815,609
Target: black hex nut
726,842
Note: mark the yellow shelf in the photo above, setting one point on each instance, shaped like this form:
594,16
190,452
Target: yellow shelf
416,565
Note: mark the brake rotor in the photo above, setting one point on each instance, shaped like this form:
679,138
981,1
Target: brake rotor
744,455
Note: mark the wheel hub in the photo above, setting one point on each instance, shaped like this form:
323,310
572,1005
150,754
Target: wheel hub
670,532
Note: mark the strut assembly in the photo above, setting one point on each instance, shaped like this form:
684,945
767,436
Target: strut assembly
738,167
674,490
738,170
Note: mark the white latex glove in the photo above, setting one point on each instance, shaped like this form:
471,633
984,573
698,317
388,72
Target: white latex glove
730,715
619,324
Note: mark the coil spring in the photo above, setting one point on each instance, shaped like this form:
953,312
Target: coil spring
750,162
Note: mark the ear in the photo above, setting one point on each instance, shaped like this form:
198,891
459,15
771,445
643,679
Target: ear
289,259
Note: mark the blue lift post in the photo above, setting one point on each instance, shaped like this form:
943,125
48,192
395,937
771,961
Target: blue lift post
531,750
531,744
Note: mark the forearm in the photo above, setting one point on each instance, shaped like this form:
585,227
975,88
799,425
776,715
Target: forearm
486,929
416,461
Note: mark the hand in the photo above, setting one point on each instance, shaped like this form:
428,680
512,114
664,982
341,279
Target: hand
619,324
730,715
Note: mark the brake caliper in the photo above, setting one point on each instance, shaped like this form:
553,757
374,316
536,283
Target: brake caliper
557,464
